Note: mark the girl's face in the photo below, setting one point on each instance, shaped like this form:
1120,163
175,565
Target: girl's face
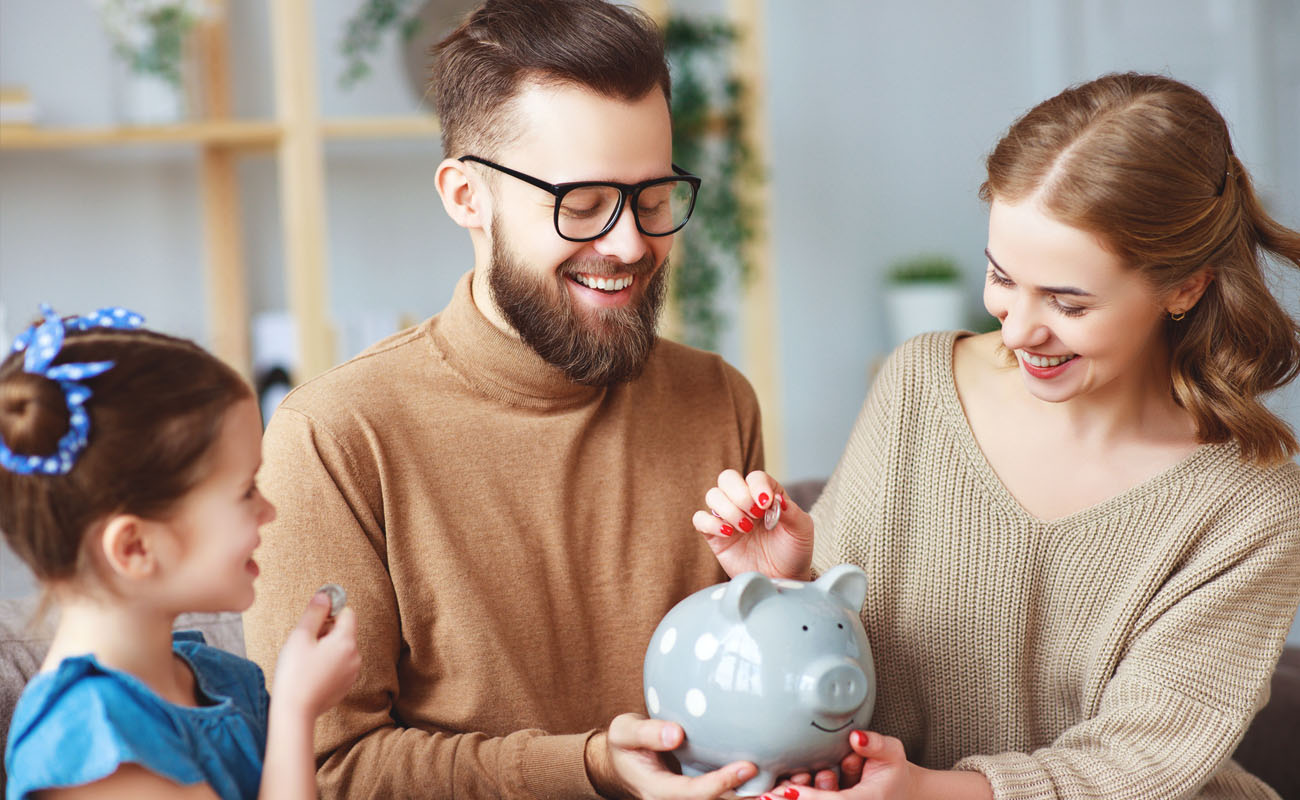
216,524
1080,323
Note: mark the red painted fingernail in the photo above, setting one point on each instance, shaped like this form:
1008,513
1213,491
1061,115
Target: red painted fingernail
859,738
762,498
790,793
746,525
755,511
783,503
727,530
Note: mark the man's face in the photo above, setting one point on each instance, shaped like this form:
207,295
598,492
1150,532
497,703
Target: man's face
548,288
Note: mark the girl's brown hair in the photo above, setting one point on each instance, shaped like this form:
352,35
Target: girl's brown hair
1145,163
153,418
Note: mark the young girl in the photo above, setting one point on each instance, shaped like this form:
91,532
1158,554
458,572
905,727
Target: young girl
127,467
1082,531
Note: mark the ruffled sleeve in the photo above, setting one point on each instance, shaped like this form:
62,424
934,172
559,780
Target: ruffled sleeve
79,724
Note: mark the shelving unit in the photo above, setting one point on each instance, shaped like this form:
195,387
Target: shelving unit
296,136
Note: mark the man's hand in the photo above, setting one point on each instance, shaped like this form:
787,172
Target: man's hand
625,762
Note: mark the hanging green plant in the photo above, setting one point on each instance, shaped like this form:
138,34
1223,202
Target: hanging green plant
365,29
708,139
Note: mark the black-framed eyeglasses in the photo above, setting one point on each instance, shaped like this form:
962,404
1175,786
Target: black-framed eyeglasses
587,210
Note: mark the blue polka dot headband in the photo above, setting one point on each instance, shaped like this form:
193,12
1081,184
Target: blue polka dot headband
43,341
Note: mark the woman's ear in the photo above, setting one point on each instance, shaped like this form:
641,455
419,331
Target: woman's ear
130,546
1185,297
462,195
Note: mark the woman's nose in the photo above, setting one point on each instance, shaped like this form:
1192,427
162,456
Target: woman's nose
1022,324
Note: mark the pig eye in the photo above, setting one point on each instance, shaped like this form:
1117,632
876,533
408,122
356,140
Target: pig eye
840,625
805,627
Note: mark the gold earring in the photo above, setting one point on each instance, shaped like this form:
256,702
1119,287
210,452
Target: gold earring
1177,317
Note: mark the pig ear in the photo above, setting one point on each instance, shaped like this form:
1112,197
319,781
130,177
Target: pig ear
846,583
744,592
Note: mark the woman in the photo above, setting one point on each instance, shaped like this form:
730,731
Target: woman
1082,531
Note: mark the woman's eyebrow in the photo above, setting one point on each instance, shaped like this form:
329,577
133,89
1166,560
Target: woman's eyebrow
1070,290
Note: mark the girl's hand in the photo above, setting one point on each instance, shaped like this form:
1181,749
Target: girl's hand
733,527
318,662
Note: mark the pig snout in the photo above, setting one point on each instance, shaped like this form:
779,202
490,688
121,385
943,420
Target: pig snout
833,686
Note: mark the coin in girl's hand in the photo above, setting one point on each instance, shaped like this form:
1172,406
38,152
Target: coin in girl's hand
338,597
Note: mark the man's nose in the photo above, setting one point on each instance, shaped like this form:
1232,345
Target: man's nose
624,241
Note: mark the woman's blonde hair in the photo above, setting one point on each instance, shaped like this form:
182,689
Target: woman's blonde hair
1146,163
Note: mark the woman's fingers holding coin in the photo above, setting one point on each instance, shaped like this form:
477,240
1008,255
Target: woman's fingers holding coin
710,524
727,511
737,490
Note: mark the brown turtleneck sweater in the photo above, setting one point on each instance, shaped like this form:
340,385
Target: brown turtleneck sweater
508,539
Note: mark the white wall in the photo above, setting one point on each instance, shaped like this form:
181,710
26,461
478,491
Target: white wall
880,114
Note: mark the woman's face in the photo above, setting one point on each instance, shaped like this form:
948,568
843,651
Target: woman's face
1079,322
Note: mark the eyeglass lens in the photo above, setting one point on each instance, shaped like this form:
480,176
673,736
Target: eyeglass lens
660,208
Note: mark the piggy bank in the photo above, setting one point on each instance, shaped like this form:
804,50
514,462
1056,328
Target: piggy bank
776,672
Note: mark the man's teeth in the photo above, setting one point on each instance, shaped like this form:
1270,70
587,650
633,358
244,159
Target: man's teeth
604,284
1044,361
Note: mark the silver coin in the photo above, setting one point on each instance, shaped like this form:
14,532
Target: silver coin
772,515
338,597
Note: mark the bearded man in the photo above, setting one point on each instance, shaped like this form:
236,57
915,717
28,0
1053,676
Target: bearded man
506,490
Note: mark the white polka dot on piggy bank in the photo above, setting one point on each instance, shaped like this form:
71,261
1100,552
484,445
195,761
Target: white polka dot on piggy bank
773,672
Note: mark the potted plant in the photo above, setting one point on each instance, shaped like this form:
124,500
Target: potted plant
923,293
151,37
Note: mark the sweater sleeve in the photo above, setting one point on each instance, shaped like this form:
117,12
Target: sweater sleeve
1193,674
330,527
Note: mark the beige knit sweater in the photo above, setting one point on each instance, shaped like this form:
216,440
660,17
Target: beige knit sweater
1119,652
508,539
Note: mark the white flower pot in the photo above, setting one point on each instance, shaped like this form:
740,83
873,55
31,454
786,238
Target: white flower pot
150,100
920,307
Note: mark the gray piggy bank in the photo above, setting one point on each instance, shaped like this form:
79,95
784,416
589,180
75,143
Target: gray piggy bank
776,672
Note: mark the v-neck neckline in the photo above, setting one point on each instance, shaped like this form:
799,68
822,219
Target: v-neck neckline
1189,464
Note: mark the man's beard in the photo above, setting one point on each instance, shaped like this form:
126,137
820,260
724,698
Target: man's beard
592,346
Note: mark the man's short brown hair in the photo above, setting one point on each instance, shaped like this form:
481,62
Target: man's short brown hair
480,68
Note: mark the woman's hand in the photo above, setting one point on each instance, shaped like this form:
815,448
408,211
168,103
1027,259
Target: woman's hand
878,769
626,761
733,527
318,662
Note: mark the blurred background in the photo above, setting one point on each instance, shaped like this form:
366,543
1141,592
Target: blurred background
279,206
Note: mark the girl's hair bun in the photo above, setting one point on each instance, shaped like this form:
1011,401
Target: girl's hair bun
33,414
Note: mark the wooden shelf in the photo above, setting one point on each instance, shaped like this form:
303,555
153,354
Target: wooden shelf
402,127
239,134
228,133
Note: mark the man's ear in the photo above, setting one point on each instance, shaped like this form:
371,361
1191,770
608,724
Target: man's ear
130,546
1185,297
462,195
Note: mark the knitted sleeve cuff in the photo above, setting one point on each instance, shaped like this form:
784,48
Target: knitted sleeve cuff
1013,776
554,766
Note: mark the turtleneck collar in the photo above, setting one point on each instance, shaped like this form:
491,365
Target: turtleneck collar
497,364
